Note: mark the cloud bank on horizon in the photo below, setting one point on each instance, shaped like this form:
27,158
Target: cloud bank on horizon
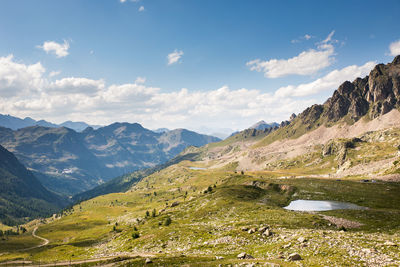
27,90
164,65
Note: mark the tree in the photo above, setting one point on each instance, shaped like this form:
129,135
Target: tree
147,213
153,214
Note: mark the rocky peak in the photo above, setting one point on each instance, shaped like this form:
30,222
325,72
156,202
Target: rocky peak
374,95
396,60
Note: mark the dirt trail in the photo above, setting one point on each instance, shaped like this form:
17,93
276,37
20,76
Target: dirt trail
79,262
45,241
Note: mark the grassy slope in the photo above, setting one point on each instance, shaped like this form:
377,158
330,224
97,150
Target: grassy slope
207,224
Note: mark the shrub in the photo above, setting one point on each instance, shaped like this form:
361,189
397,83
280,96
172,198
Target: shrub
167,221
135,235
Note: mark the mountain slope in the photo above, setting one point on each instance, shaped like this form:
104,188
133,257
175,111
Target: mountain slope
69,162
371,96
366,104
22,197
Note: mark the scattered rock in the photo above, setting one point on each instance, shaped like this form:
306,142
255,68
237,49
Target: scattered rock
294,257
262,229
301,239
244,228
219,257
267,233
390,243
148,261
244,255
252,230
174,204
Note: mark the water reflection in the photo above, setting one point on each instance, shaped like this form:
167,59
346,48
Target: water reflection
320,205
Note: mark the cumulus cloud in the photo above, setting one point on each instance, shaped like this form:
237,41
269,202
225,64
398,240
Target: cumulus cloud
141,9
17,79
395,48
60,50
330,81
174,57
76,86
31,93
122,1
306,63
25,90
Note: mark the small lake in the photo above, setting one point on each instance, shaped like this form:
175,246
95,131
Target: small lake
321,205
197,168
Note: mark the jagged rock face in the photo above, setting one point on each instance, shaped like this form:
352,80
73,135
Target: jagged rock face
374,95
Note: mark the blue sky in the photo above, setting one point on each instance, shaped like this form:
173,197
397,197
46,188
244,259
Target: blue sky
232,57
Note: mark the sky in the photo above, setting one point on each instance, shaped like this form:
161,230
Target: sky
209,66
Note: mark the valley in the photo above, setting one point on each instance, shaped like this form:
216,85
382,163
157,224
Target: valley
199,133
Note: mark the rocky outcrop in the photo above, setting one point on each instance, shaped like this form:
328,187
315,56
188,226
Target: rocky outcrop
374,95
339,149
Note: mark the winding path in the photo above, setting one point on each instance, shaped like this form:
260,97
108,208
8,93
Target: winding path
45,241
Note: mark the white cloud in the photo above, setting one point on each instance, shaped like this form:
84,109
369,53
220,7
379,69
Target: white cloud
60,50
25,90
54,73
306,63
299,40
141,9
140,80
330,81
17,78
94,101
76,86
329,37
395,48
174,57
122,1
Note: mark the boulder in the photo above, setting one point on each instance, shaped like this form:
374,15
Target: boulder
267,233
294,257
252,230
148,261
174,204
244,255
301,239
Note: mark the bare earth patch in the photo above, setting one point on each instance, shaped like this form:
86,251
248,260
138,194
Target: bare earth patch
340,222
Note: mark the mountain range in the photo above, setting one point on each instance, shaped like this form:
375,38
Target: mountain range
228,202
69,162
16,123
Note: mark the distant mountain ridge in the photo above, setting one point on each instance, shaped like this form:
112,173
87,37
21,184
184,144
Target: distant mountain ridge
16,123
22,196
262,125
70,162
